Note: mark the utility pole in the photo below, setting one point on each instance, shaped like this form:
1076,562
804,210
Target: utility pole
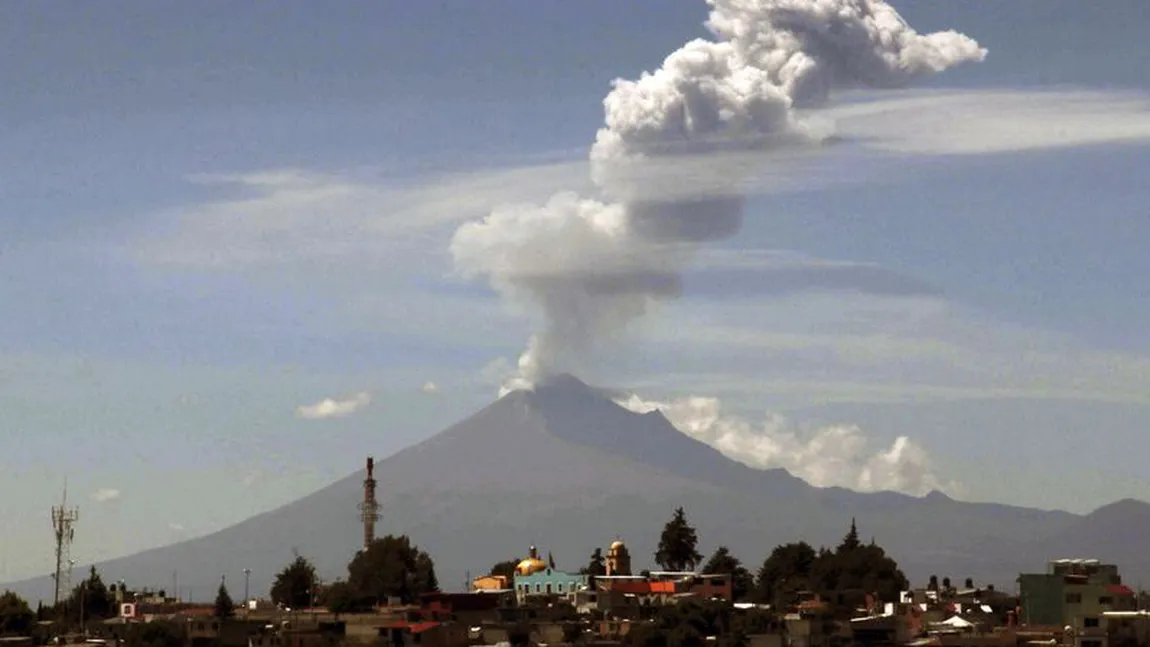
247,576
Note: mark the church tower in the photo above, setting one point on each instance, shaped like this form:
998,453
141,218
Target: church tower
618,559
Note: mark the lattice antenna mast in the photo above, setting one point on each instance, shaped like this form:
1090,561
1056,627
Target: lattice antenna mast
64,525
369,508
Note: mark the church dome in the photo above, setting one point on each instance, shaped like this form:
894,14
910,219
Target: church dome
530,566
617,544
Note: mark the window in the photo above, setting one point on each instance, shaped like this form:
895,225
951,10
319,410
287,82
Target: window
1106,599
1074,598
560,587
549,588
1090,622
1091,643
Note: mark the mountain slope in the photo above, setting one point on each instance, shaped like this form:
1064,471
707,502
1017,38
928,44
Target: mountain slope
567,469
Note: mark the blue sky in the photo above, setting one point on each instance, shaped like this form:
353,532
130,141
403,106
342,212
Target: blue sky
214,214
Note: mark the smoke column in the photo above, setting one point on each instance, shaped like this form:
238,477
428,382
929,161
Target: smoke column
593,265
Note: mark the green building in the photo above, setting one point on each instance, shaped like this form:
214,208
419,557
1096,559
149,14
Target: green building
1074,593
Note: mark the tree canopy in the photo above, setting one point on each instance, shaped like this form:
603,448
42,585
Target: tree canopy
505,568
225,607
295,586
786,571
845,574
722,562
16,617
392,567
678,544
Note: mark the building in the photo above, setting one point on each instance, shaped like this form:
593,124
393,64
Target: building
1076,594
549,582
403,633
618,560
491,583
537,578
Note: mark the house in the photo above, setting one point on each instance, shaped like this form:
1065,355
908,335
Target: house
469,608
491,583
403,633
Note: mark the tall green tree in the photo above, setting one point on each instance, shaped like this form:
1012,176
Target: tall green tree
89,600
295,586
225,607
786,570
678,545
16,617
596,565
722,562
392,567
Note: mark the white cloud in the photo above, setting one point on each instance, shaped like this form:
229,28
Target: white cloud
176,527
331,408
838,455
105,495
995,121
250,478
430,388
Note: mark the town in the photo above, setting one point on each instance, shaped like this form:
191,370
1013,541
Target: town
800,596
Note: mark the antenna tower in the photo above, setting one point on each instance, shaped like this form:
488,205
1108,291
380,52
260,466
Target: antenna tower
369,508
64,524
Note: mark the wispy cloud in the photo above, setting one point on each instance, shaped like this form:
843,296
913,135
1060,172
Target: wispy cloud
332,408
818,348
105,495
294,215
430,388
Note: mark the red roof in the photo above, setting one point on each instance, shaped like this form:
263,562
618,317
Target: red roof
1121,589
413,627
641,587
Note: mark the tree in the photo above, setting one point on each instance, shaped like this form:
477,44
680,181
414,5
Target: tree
786,570
341,597
225,608
722,562
506,569
295,585
851,540
596,566
16,617
89,600
678,544
853,570
392,567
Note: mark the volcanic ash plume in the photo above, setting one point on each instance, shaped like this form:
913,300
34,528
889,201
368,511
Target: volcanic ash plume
592,266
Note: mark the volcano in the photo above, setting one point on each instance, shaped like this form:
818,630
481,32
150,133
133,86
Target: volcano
566,468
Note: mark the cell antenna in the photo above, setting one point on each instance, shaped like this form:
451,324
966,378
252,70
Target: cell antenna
369,507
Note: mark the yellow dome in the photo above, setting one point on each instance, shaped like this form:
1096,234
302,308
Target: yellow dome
530,566
617,544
